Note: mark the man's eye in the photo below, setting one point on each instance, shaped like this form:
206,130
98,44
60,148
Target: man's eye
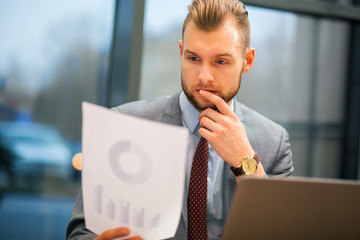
220,61
194,59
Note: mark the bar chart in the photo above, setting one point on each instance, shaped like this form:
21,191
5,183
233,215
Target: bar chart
122,211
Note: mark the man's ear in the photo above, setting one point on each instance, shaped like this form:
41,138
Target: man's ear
181,48
249,59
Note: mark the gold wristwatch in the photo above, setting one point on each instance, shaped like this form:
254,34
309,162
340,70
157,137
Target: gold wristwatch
247,166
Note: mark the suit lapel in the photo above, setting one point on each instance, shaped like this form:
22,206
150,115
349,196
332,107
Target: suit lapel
238,111
172,113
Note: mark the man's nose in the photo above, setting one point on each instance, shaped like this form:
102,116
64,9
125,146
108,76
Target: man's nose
206,74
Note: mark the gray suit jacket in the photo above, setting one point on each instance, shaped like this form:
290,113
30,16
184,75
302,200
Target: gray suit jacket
267,138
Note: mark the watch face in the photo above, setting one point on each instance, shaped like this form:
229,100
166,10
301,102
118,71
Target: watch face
249,166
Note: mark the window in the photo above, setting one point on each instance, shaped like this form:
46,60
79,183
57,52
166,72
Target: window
298,80
161,61
53,56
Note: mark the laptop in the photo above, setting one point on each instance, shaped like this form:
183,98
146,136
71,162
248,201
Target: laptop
294,208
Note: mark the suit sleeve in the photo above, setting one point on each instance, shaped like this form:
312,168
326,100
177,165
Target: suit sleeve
76,229
283,164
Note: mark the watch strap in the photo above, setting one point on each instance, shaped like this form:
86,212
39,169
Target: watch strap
237,171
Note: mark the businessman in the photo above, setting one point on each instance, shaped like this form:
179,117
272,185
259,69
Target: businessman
229,140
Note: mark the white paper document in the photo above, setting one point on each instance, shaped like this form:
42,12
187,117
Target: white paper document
133,173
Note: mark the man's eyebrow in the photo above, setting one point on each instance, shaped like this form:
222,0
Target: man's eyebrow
189,52
224,55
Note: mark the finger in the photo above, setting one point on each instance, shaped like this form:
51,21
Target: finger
113,233
217,101
208,123
205,133
77,161
210,113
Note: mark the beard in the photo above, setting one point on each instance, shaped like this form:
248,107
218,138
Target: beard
227,96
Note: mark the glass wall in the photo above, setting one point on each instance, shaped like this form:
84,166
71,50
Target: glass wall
53,56
160,74
297,80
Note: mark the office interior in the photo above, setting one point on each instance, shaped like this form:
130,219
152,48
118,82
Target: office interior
56,54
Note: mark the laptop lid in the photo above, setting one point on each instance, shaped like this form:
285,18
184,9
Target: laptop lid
294,208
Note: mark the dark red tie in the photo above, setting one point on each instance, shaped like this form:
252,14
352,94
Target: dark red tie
197,200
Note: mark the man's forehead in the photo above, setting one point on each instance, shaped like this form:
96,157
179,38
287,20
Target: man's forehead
225,35
215,45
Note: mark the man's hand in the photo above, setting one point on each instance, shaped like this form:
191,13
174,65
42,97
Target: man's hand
225,132
116,233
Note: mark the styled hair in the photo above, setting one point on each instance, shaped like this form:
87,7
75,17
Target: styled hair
210,14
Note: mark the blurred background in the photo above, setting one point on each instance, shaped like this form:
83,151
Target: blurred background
56,54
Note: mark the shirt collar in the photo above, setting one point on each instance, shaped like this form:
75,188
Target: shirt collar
190,114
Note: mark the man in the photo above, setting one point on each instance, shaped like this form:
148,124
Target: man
214,53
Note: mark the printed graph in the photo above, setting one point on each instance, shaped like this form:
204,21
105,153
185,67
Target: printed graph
116,153
98,199
122,211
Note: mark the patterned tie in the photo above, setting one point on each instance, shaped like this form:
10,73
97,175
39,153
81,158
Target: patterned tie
198,193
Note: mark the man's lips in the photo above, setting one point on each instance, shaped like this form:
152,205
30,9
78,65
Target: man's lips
206,89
